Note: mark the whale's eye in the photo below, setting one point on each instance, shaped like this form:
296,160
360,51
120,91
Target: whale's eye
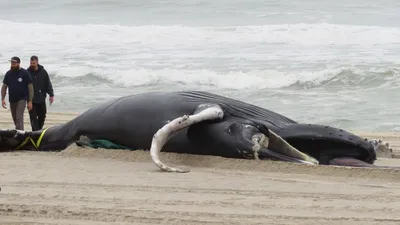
231,128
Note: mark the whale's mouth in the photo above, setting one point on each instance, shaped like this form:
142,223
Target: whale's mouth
276,148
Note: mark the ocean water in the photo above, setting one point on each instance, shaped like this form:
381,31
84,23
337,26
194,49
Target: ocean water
330,62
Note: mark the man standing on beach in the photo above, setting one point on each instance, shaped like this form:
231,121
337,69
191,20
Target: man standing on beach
20,90
41,85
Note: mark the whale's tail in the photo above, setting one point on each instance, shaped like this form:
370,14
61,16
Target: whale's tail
11,140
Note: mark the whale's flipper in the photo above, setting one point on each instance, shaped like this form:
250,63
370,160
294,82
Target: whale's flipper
202,113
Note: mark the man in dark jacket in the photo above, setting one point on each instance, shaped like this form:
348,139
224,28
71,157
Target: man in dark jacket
41,85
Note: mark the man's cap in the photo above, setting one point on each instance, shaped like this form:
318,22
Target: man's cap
15,59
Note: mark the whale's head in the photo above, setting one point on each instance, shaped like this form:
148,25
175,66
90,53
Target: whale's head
244,138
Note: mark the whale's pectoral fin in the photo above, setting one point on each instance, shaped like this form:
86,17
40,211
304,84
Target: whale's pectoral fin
202,113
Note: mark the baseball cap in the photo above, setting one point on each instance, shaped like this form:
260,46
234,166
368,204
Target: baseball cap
15,59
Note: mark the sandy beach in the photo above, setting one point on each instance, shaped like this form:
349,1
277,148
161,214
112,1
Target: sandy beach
88,186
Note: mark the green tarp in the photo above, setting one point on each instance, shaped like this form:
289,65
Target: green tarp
100,143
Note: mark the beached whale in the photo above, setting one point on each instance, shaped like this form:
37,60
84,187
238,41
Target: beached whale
203,123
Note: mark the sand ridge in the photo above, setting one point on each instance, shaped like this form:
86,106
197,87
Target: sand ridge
98,186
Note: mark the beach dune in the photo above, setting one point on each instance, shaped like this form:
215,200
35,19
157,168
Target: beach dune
98,186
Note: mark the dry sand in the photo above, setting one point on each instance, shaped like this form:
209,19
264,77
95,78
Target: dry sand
88,186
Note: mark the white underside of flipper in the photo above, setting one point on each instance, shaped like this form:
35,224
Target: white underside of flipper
167,131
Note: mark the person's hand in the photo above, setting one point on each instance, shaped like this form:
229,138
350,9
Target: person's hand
51,100
29,106
3,103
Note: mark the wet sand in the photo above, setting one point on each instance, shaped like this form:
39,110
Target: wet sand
97,186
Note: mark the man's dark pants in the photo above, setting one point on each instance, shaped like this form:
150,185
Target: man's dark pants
38,115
